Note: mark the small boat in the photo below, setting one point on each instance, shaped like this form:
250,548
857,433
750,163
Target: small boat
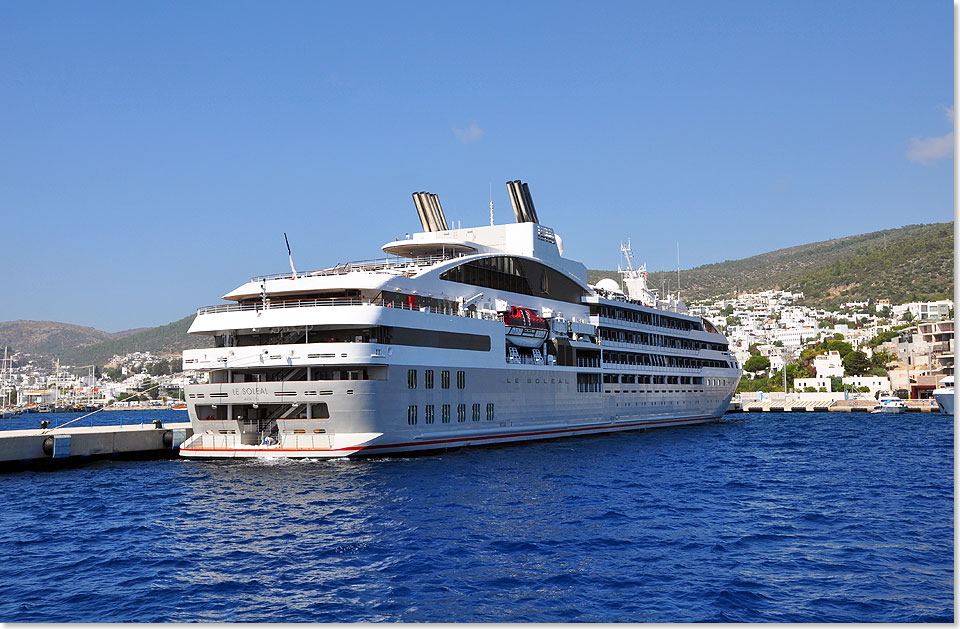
943,394
889,404
525,328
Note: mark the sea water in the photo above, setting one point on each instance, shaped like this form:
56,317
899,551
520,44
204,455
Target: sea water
772,517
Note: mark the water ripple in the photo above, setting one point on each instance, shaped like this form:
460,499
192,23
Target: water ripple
794,517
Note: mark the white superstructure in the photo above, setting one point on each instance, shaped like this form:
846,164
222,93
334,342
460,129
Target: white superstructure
464,337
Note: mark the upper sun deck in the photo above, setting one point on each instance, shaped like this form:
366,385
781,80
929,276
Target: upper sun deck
408,267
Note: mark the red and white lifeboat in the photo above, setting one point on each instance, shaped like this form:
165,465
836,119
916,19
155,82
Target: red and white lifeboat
525,328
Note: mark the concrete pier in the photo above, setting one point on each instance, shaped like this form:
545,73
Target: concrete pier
40,447
820,406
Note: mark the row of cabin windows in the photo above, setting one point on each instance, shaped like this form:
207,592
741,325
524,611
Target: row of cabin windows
428,379
429,413
628,358
661,340
640,316
629,378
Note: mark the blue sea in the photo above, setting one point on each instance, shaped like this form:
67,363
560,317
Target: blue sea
792,517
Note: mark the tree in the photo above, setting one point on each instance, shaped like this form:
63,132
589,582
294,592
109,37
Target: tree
754,349
837,336
907,316
778,343
726,312
856,364
756,364
733,321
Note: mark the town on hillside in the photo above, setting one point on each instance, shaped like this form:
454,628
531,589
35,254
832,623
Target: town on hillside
859,349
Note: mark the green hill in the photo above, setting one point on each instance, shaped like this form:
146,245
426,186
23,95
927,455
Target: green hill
909,263
171,338
52,337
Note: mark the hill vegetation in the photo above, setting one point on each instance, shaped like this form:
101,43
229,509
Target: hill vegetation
171,338
906,264
48,338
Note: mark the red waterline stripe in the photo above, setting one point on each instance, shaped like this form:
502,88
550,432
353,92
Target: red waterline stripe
461,439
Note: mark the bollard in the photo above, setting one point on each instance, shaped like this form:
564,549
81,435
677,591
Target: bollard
158,423
44,425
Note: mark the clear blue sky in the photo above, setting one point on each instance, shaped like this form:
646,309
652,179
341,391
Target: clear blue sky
153,153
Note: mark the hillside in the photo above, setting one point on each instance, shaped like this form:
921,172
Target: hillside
905,264
52,337
171,338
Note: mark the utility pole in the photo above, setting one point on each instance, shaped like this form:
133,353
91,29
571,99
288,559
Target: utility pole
784,373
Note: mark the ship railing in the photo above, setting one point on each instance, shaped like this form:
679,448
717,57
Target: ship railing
625,345
623,323
335,301
393,266
650,368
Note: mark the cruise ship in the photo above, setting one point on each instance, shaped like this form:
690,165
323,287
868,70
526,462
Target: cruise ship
460,337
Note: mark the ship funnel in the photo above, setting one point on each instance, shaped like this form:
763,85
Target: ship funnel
531,212
522,202
430,212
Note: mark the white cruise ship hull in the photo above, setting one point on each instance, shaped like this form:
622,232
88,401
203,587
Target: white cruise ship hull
944,398
370,417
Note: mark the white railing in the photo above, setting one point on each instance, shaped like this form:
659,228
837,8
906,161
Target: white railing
647,327
336,301
393,266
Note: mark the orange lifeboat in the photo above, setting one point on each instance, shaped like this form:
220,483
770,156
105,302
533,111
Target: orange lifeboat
525,328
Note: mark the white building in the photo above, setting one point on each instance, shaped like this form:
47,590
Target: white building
926,310
799,384
828,365
874,383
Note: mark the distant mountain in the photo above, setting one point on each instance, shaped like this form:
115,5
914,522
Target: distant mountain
904,264
171,338
50,337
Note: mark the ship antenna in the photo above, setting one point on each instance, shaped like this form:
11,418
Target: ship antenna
678,270
491,204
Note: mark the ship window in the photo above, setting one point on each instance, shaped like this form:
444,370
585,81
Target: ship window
445,413
461,413
319,411
461,379
444,379
411,378
476,412
490,412
428,414
412,414
428,379
516,275
434,338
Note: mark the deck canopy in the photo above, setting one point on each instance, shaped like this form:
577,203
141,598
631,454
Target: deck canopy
419,247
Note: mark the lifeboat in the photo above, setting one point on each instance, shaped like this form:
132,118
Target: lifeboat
525,328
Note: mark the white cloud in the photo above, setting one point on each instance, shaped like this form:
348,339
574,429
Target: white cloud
471,134
924,150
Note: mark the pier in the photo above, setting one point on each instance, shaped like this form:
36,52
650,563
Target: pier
823,406
40,447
